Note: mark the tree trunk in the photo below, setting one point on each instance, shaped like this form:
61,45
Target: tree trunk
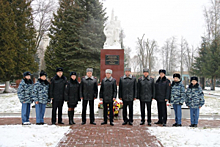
202,82
185,82
7,83
212,84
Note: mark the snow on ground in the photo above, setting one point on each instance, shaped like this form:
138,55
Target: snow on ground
211,106
11,104
186,137
33,135
12,90
211,92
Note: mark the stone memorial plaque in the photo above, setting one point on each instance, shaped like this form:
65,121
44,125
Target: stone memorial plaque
112,59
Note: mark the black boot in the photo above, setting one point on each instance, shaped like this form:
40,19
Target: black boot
192,125
73,117
70,117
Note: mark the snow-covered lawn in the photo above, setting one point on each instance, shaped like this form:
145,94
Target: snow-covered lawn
11,104
211,92
187,137
211,106
34,136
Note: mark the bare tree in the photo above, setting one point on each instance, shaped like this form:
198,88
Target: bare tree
127,52
212,19
141,52
151,47
43,14
135,62
182,50
188,57
145,50
169,55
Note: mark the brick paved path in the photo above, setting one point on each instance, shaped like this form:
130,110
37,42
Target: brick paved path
106,135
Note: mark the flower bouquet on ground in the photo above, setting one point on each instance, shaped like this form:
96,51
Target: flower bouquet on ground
116,107
100,105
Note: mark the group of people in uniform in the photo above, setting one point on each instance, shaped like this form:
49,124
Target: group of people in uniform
145,89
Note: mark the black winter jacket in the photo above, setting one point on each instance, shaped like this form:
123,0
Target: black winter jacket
146,89
72,92
108,90
162,89
57,88
128,88
88,88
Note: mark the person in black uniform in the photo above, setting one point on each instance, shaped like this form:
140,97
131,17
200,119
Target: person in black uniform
108,93
162,95
57,88
72,96
146,93
88,92
127,93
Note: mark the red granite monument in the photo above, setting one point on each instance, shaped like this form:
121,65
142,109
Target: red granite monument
112,56
112,59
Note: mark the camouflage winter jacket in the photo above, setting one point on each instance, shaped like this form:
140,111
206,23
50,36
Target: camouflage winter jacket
177,93
194,96
41,91
25,91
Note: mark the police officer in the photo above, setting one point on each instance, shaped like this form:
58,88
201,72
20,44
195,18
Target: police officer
57,88
146,92
88,92
108,93
128,93
162,95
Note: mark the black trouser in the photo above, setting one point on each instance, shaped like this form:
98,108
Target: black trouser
106,111
142,104
55,105
125,105
91,107
162,112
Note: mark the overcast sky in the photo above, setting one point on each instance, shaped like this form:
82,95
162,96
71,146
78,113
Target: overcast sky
159,19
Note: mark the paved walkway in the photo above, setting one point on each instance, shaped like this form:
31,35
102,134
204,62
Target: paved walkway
106,135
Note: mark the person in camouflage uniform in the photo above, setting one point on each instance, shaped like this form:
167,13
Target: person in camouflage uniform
25,96
40,97
194,100
177,98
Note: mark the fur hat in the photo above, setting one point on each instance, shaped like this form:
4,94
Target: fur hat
73,73
127,69
43,73
145,70
89,70
194,78
176,75
26,73
162,70
59,69
108,71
